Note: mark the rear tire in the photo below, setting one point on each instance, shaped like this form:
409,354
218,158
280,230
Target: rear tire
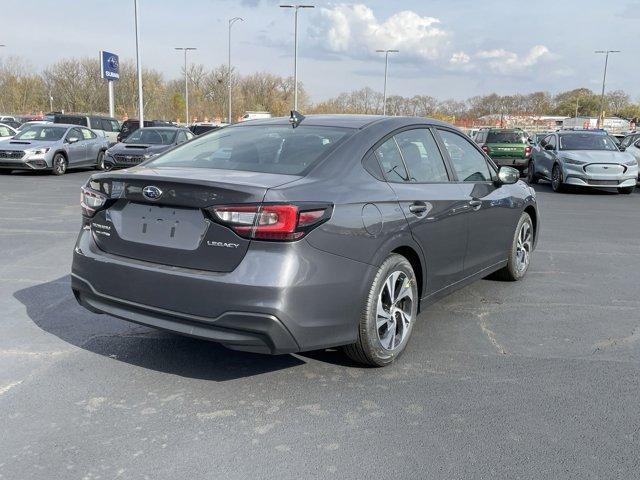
59,164
520,251
100,161
388,315
532,178
556,179
626,190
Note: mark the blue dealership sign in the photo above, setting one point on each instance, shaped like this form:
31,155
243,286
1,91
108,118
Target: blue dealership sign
109,66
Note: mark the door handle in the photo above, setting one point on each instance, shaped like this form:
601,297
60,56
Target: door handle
418,208
475,204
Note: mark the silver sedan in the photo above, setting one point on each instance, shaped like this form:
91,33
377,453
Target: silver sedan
52,147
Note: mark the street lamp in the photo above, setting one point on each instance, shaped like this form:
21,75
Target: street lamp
186,82
386,68
138,66
604,79
231,22
296,7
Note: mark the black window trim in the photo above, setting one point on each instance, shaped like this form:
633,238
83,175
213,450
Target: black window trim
392,134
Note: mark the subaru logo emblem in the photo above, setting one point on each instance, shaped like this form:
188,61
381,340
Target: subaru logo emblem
112,61
152,193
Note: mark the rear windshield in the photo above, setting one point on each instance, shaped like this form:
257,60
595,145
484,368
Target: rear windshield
70,120
42,134
153,136
506,137
587,141
256,148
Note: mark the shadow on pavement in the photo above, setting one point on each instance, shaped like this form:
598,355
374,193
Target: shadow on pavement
52,307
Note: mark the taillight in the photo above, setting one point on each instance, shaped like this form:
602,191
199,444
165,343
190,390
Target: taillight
486,149
91,201
271,222
527,151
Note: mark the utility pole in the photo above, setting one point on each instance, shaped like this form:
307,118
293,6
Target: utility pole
138,66
386,69
186,82
231,22
604,80
295,50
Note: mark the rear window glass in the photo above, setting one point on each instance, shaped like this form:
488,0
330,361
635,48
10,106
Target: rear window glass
256,148
506,137
70,120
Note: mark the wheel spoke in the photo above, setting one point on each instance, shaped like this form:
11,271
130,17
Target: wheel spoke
382,315
391,286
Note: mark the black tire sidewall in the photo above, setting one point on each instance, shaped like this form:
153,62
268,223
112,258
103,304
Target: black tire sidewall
100,161
557,188
368,328
511,265
531,176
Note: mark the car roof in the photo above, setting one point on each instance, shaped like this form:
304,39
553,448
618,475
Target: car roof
164,128
346,121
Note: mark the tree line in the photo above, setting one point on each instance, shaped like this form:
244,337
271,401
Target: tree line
74,85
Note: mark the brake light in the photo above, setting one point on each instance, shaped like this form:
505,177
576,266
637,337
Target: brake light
527,151
91,201
270,222
486,149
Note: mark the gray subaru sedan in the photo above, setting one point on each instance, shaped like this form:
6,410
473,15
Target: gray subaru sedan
285,235
55,148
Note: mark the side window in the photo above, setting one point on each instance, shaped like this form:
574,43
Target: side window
468,162
105,125
4,131
115,126
551,140
391,161
75,132
87,134
182,137
421,156
189,135
543,142
481,137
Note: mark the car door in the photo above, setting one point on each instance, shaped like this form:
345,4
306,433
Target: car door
489,209
93,144
548,156
433,205
76,151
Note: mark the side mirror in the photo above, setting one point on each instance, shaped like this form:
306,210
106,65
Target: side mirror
549,147
72,139
622,149
508,175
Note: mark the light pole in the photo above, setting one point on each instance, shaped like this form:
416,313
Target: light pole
186,82
386,68
231,22
296,7
50,102
138,66
604,79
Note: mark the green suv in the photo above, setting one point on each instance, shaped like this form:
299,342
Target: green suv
508,147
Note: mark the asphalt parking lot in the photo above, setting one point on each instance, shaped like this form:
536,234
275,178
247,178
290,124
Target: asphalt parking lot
537,379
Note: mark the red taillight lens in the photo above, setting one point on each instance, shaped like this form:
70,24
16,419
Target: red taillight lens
486,149
269,222
91,201
527,151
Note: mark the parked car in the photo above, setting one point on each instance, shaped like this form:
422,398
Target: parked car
509,147
582,159
131,125
273,239
535,139
144,144
105,126
6,131
52,147
12,123
203,127
7,118
629,140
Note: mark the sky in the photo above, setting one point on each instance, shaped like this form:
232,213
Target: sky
447,48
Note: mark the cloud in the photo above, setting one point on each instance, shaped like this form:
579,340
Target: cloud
459,58
354,31
506,62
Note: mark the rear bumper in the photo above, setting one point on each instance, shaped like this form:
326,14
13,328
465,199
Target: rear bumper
519,163
282,298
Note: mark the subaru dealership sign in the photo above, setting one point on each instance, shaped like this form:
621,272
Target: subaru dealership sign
109,66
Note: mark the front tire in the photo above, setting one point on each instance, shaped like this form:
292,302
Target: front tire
520,251
59,164
556,179
532,178
100,161
388,315
626,190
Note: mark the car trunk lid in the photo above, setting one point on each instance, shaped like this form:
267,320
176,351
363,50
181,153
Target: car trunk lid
510,150
160,215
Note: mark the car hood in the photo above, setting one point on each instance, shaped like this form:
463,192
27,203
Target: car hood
135,148
597,156
24,144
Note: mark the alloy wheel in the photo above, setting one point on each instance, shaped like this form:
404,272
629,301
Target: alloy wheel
556,178
59,164
524,246
394,310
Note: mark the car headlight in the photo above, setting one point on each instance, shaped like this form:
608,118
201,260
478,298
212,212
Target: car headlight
571,161
38,151
631,163
147,156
